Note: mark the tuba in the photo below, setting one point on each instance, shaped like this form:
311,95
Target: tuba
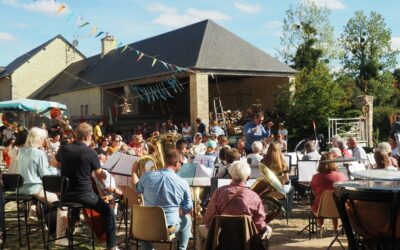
155,159
269,188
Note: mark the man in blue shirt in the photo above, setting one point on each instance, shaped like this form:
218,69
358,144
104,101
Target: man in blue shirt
166,189
254,131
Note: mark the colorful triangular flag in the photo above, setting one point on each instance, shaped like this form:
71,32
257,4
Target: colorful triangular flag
140,57
83,24
100,33
154,62
60,9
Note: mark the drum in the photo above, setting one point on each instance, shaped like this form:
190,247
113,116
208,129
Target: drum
369,213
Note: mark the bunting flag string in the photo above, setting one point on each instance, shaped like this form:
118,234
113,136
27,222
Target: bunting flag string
96,32
150,93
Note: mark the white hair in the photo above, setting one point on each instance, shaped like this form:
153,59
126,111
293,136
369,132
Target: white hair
385,146
239,171
335,151
336,138
256,147
36,137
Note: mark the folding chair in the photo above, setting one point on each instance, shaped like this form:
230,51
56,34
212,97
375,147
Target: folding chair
148,223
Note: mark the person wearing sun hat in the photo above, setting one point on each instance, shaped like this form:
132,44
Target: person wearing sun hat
198,148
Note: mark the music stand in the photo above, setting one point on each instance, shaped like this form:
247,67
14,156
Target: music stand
123,167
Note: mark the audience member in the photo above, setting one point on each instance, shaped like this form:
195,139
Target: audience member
201,127
187,132
216,129
198,148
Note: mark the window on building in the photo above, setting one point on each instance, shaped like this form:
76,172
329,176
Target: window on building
86,110
82,110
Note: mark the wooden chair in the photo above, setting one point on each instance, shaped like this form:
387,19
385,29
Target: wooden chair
234,233
148,223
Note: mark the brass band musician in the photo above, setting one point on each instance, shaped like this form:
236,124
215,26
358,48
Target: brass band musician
236,199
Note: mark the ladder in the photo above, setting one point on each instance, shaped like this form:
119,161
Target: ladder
219,113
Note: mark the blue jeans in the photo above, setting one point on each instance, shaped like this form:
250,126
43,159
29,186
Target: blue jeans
93,201
183,232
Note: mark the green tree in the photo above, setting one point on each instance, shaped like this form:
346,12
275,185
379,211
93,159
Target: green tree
316,98
366,50
307,35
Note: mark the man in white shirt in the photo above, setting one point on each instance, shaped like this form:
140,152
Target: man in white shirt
358,151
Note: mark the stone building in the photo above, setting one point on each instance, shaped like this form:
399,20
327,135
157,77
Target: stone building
29,72
221,65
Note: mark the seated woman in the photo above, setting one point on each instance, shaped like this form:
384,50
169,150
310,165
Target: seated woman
236,199
274,160
255,158
327,175
388,149
33,164
382,160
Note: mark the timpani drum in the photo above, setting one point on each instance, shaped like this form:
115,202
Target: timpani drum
370,213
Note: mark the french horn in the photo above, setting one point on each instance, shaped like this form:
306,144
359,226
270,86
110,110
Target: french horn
269,187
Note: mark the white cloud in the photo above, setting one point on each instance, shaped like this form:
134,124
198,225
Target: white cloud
8,37
159,7
395,43
40,6
248,8
171,17
273,24
331,4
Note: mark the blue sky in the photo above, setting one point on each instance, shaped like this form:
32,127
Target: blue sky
25,24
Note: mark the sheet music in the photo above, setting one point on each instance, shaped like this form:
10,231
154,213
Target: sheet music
203,175
124,165
110,163
306,170
207,160
187,172
356,166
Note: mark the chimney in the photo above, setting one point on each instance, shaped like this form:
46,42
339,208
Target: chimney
108,43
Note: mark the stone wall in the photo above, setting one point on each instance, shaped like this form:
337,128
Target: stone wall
42,67
5,89
78,98
242,93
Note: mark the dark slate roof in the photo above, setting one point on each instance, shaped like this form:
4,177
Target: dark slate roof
14,65
201,46
2,69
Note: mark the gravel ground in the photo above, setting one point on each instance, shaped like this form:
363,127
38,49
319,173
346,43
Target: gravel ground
282,232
